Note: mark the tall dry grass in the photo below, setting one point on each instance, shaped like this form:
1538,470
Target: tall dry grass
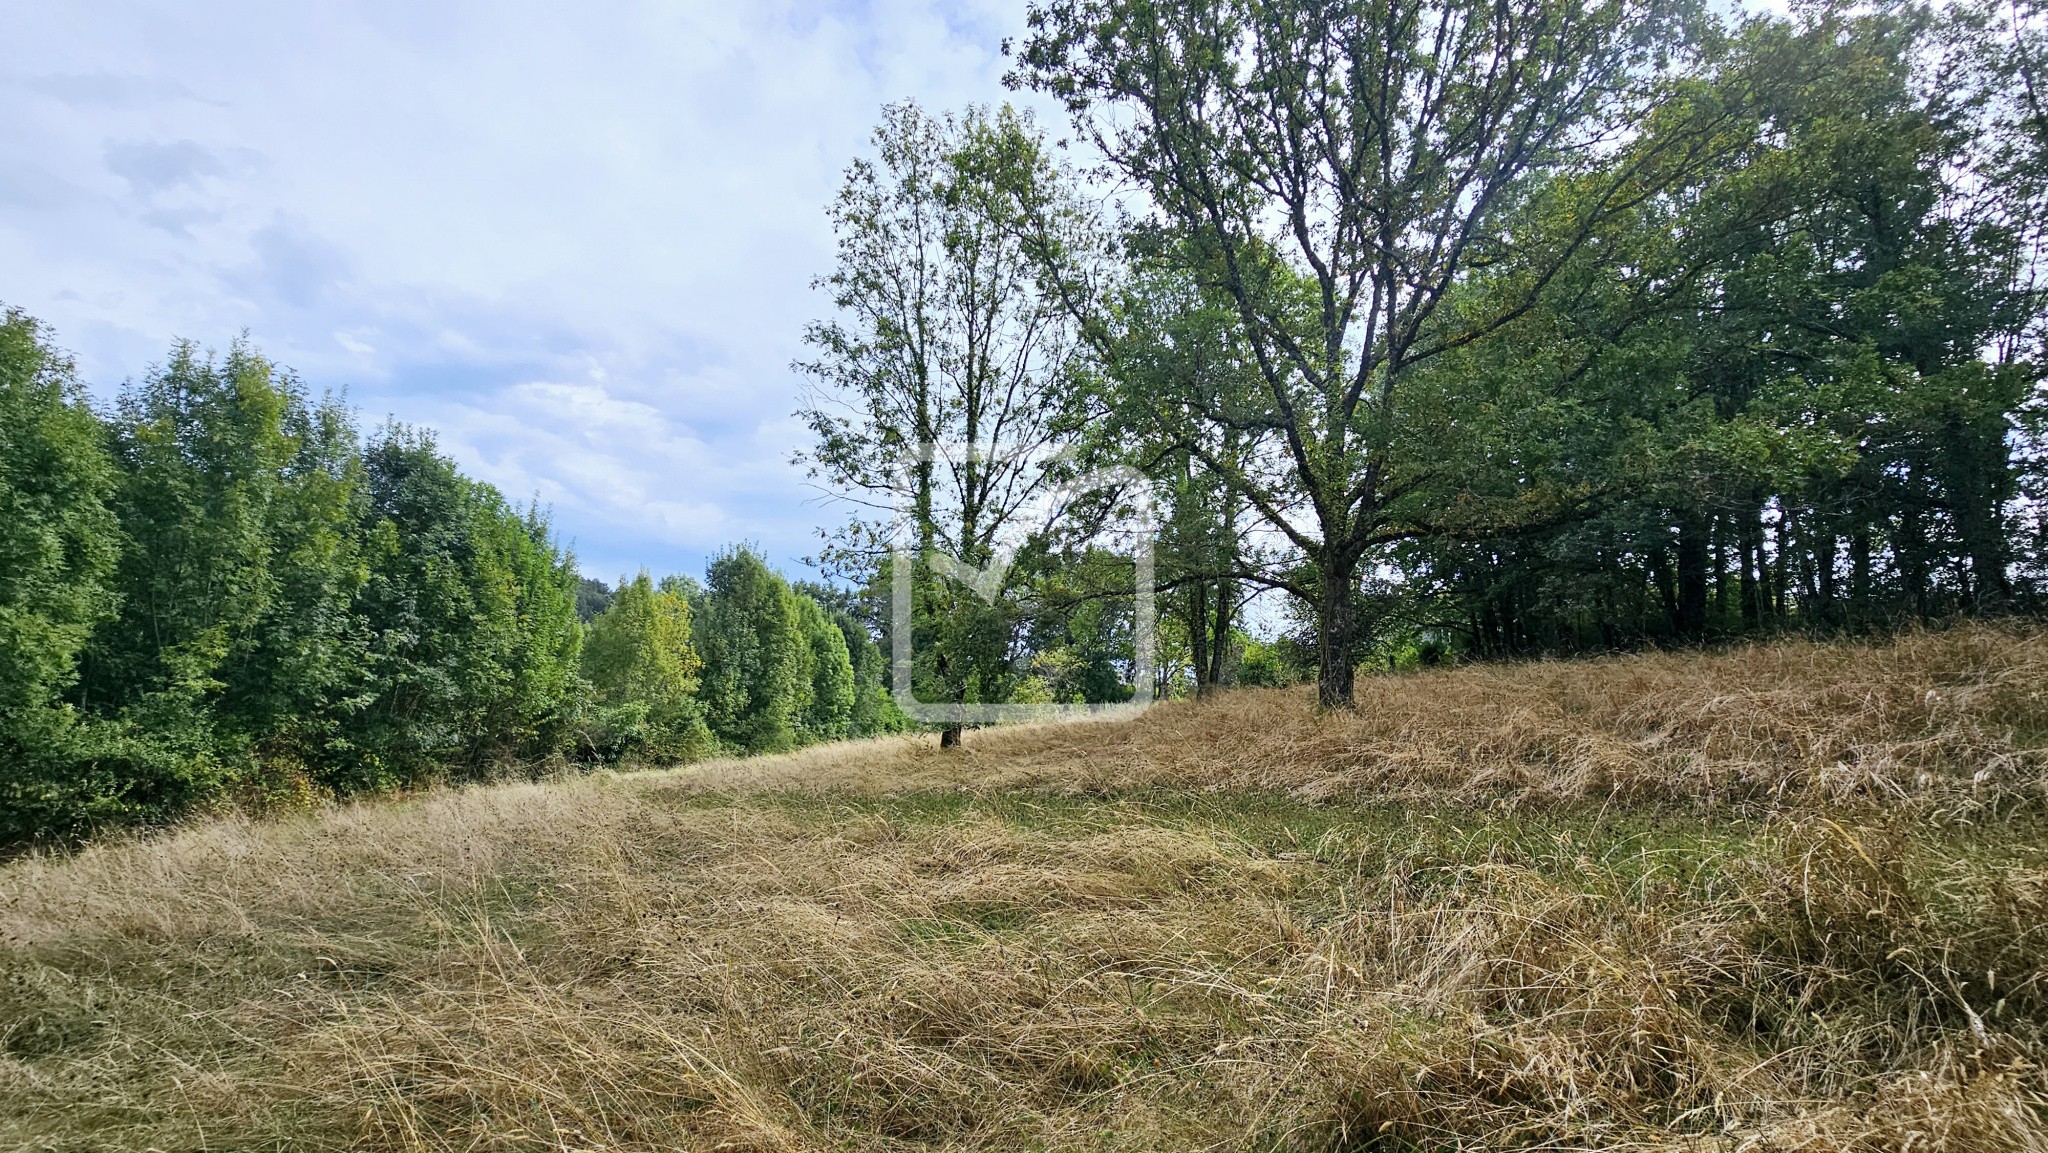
1786,898
1952,722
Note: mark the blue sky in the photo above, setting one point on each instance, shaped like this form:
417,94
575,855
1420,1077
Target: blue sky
576,240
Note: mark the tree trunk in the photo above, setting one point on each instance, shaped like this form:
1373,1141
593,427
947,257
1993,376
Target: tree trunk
1720,563
1692,578
953,734
1980,523
1510,618
1752,561
1209,635
1336,632
1824,548
1859,575
1781,570
1978,471
1909,546
1667,590
1220,650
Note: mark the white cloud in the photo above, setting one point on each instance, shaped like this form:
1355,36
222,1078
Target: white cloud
622,475
454,209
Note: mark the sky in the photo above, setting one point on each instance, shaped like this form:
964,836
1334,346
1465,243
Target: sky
576,240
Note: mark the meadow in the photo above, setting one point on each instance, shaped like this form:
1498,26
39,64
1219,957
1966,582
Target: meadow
1785,896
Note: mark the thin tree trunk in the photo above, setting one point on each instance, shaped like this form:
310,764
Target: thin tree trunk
1752,609
1781,569
1980,523
1720,568
1219,648
1824,548
1910,549
1667,590
1692,578
1859,575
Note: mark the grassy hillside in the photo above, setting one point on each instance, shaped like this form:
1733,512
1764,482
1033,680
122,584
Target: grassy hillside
1782,898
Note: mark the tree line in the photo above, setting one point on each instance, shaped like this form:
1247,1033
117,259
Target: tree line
1463,327
220,590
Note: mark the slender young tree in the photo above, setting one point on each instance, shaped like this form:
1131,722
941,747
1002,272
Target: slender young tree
945,372
1175,354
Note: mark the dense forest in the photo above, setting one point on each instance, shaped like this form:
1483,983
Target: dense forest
1453,330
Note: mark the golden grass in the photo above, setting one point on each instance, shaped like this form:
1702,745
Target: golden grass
1955,719
1790,897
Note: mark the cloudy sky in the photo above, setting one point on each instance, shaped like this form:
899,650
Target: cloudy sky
576,240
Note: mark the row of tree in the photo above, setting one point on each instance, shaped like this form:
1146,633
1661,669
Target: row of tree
1490,326
221,590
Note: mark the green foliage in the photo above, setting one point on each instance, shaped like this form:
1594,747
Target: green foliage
642,669
1751,342
1330,175
592,598
58,545
236,640
779,667
1473,328
828,714
299,678
219,593
874,710
234,599
58,539
1799,407
758,685
1262,666
472,612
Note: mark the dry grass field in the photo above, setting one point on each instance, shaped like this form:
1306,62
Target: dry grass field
1789,897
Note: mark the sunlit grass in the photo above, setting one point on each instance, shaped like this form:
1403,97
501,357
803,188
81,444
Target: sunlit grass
1777,899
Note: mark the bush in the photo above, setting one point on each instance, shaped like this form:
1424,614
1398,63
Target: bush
1261,666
